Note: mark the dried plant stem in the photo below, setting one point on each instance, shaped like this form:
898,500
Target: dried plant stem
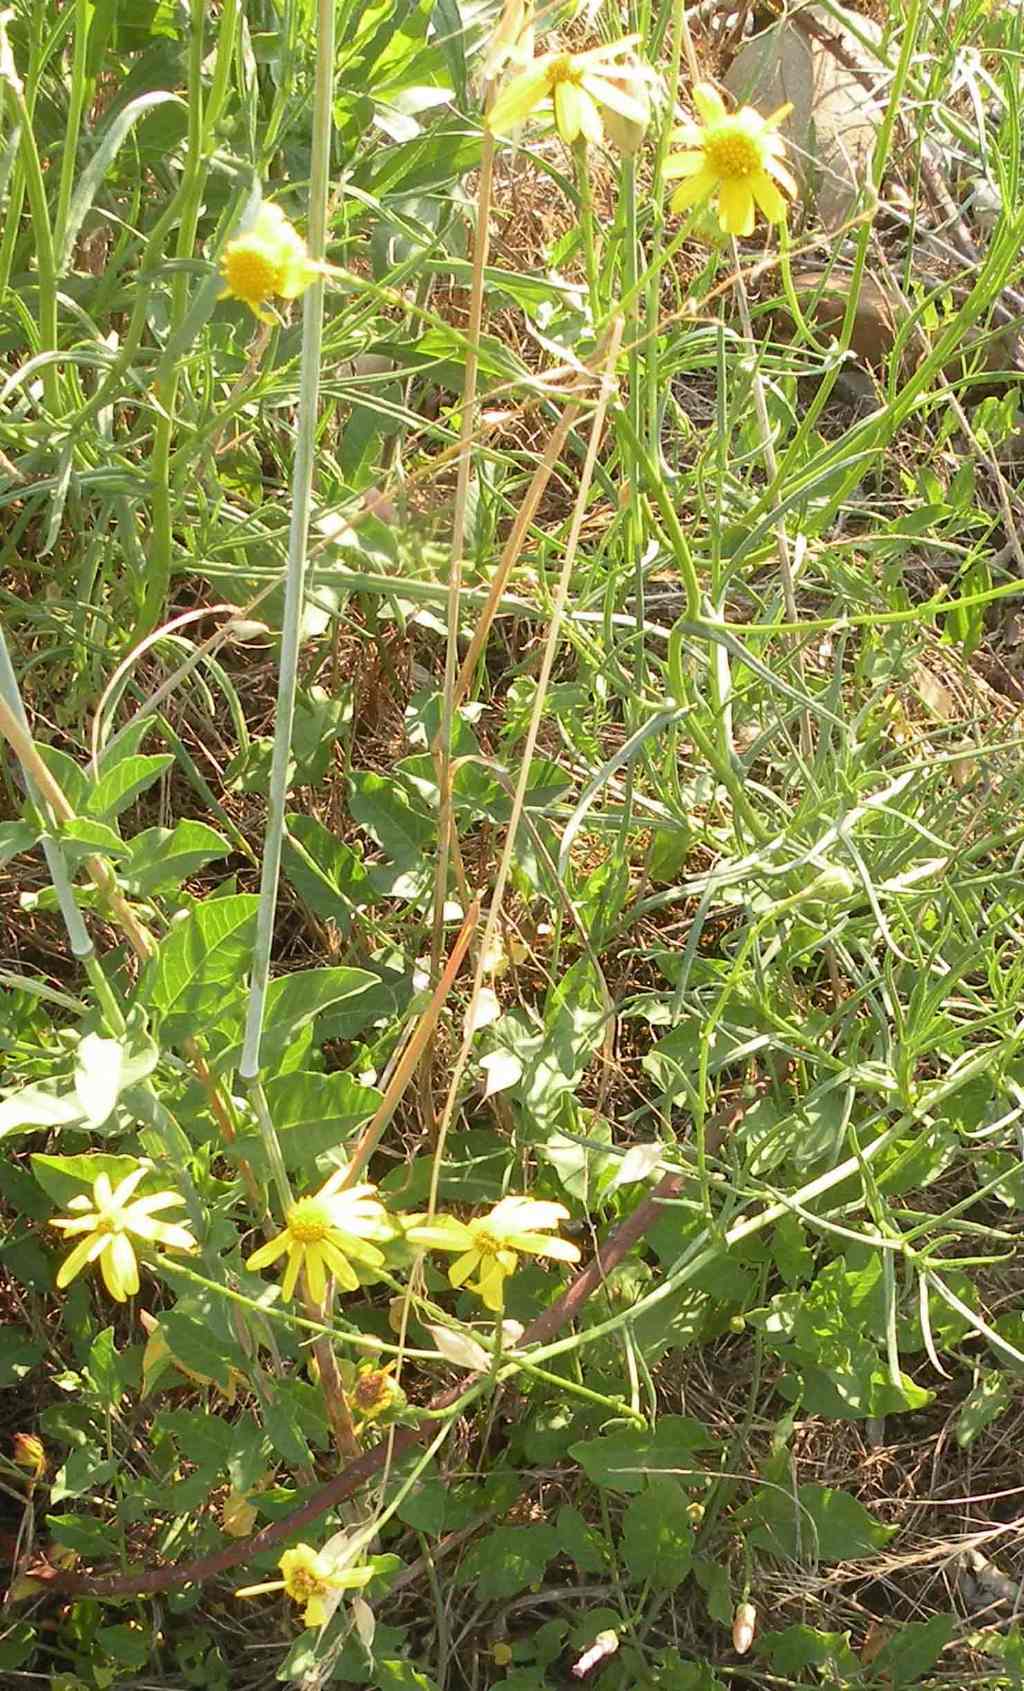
607,360
417,1043
513,546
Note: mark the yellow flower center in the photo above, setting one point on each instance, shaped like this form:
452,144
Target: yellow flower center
563,70
483,1240
308,1222
302,1584
110,1223
250,272
732,153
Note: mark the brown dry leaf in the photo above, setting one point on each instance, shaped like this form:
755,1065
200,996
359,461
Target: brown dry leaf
874,1643
934,694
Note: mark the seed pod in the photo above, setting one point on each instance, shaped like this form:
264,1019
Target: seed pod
744,1625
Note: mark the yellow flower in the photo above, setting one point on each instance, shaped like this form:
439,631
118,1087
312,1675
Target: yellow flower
577,86
321,1233
312,1579
489,1246
736,156
268,260
107,1225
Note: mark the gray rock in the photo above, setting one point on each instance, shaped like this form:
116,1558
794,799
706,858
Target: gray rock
832,128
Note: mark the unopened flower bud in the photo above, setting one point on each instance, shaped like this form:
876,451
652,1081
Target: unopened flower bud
29,1454
744,1625
833,886
626,134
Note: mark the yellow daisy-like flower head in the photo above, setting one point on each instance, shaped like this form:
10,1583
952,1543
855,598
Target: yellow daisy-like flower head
312,1579
736,156
578,88
107,1221
325,1234
269,260
490,1246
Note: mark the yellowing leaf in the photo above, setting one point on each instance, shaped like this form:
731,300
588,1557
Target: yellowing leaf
238,1515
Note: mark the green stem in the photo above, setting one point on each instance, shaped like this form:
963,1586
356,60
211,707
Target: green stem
46,265
76,106
298,541
201,122
587,226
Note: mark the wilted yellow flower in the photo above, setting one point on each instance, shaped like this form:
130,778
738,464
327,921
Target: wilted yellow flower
512,40
321,1233
268,260
29,1454
371,1393
107,1225
578,87
642,86
489,1246
737,156
311,1578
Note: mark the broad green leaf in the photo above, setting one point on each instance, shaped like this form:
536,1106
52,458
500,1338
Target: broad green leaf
65,1177
284,1428
72,780
32,1107
118,787
657,1535
797,1648
325,872
295,1000
83,1471
18,1356
91,1538
716,1585
84,836
913,1651
126,1644
383,808
104,1369
580,1542
162,859
472,1172
99,1073
989,1398
509,1559
206,952
197,1348
818,1525
314,1113
625,1460
16,837
17,1645
203,1440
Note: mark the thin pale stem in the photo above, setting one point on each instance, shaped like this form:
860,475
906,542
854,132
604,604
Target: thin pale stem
298,541
442,748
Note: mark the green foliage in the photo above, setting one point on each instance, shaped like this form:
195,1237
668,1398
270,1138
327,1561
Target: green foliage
752,800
